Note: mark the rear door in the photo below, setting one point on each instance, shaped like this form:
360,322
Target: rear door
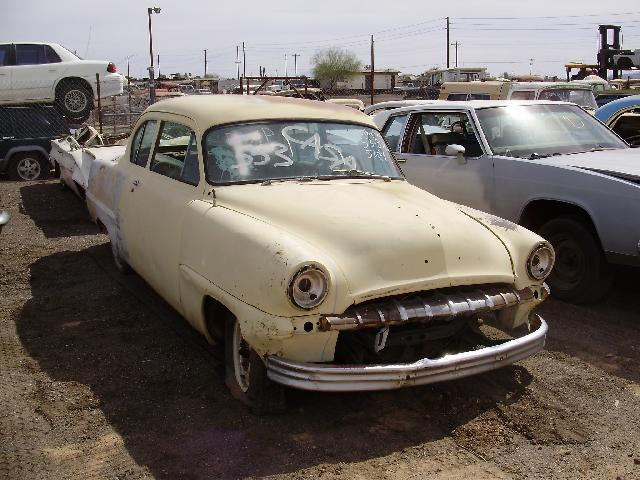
37,67
465,179
5,72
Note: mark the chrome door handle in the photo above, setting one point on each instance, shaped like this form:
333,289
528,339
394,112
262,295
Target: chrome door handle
401,160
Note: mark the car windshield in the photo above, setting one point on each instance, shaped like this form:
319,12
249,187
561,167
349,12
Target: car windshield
288,150
534,131
581,97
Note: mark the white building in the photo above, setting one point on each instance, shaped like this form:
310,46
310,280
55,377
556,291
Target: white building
361,81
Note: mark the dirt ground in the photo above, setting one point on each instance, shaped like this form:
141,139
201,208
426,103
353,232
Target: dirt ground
99,378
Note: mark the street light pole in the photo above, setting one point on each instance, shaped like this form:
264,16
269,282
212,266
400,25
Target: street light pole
152,84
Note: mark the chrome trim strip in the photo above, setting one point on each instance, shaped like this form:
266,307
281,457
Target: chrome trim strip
427,306
337,378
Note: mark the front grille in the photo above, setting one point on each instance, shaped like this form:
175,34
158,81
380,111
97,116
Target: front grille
427,306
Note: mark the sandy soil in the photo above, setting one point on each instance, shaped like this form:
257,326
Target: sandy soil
99,378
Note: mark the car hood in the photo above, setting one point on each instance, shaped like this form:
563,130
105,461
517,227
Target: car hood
385,238
621,163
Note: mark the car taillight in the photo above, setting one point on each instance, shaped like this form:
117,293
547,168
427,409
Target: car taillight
111,68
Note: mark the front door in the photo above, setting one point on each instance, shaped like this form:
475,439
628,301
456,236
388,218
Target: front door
169,184
464,178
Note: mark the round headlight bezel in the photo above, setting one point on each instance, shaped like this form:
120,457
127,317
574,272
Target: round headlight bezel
308,287
541,252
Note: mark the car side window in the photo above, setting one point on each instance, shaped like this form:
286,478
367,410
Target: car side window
456,97
393,129
5,50
50,55
29,54
6,126
432,132
176,154
143,142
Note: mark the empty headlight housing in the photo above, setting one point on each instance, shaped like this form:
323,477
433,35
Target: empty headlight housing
308,287
540,261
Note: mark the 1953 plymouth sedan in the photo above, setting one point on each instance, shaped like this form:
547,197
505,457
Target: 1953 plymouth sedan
284,232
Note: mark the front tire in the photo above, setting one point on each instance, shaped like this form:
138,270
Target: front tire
581,273
75,100
246,374
28,166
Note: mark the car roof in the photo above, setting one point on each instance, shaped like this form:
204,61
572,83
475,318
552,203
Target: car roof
30,43
605,112
537,85
382,117
398,104
224,109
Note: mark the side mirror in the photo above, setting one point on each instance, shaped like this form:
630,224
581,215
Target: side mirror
454,150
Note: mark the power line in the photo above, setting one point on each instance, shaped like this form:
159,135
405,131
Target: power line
551,16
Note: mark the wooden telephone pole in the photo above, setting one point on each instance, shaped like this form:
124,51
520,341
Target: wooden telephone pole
373,68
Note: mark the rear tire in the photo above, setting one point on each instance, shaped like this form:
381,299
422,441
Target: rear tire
28,166
246,374
581,273
75,100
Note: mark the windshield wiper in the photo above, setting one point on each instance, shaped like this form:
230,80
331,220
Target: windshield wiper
354,173
535,156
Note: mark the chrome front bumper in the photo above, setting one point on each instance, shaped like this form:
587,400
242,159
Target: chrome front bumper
337,378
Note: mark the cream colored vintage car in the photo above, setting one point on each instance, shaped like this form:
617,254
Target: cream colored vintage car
282,230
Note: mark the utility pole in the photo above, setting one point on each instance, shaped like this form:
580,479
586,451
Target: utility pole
152,82
129,88
158,65
238,61
448,40
244,61
286,69
373,69
295,63
205,62
456,44
531,66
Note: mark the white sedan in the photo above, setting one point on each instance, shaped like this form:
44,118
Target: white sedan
38,72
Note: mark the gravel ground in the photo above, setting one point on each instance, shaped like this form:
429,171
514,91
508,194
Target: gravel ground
101,379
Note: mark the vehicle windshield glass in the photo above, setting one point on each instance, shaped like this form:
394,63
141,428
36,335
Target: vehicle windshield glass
533,131
288,150
581,97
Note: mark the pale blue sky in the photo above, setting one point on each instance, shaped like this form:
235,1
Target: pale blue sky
410,35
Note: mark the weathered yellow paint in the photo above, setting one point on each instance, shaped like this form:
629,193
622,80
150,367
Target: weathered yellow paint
242,244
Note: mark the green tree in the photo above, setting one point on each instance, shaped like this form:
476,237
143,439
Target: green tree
335,65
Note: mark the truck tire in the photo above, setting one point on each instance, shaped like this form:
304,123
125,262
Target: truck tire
28,166
581,273
246,374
